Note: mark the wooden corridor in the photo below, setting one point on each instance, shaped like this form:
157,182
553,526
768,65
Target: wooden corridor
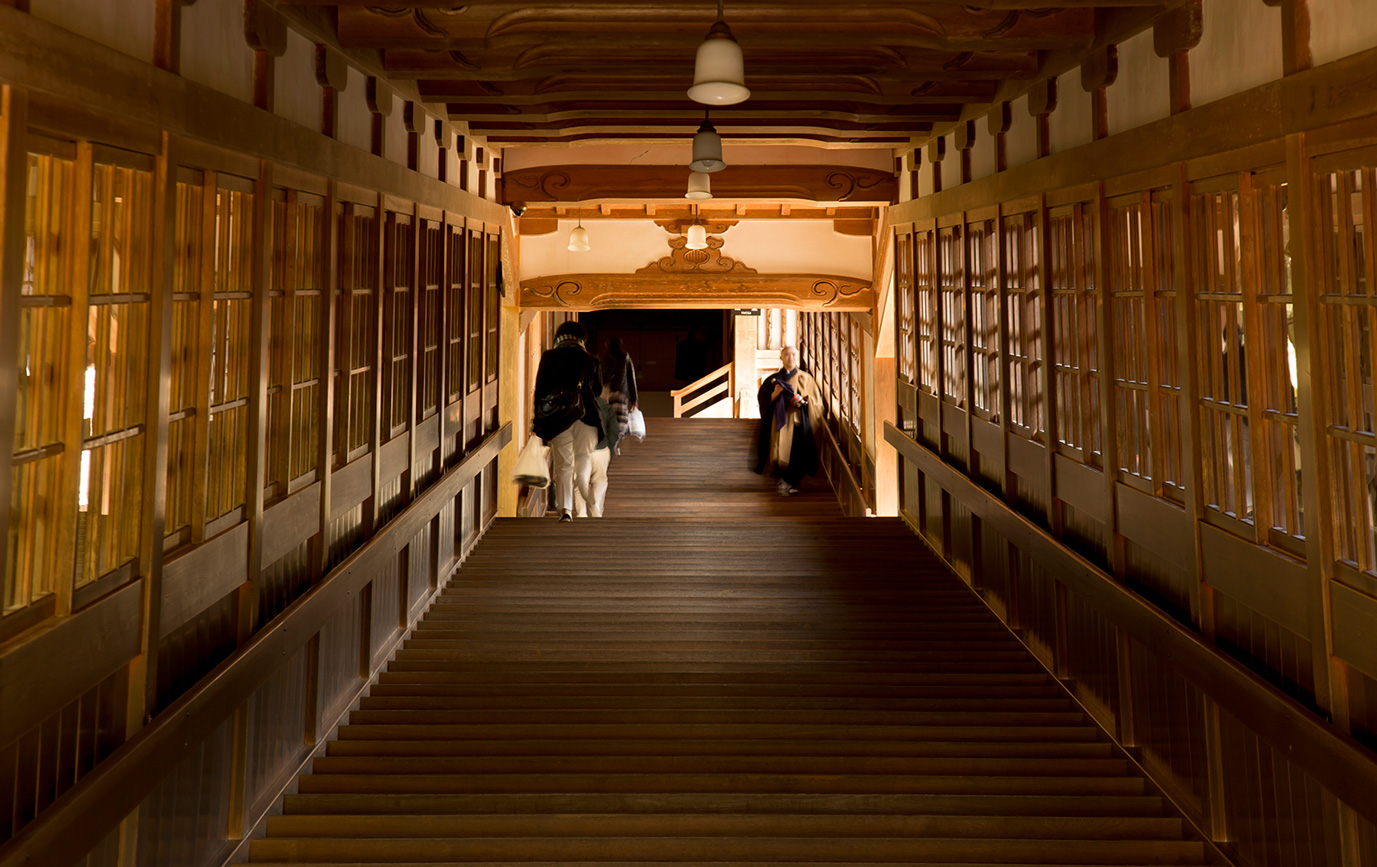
717,674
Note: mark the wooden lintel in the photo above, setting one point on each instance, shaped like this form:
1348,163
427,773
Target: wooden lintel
579,292
817,183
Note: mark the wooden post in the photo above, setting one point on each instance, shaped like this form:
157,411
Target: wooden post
266,33
329,311
1098,71
13,188
997,123
379,98
332,74
444,140
937,150
377,278
256,463
414,120
1104,328
167,34
1173,36
965,140
1042,101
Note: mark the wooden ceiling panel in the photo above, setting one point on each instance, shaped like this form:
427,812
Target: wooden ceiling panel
865,71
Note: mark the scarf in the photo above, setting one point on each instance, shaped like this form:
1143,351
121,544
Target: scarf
785,398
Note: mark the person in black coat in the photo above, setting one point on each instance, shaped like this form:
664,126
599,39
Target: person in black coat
567,369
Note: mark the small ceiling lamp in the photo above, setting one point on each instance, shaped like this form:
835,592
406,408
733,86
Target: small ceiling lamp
697,233
698,187
707,148
578,238
719,74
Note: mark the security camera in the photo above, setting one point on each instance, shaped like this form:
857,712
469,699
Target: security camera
518,208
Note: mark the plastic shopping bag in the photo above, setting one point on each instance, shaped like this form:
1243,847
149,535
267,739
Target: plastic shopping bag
533,464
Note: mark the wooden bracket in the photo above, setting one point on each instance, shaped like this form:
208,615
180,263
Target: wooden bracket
1178,30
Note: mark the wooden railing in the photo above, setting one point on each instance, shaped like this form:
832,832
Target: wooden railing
84,816
1102,639
718,383
851,493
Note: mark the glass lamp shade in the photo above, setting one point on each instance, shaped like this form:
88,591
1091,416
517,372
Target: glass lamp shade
719,76
578,240
707,150
697,237
699,186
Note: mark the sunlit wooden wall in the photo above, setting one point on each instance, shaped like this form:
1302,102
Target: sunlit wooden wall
1156,352
235,364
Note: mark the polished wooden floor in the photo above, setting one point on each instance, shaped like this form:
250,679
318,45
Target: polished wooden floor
714,674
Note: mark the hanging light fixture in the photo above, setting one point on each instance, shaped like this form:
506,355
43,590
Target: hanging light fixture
578,238
719,73
698,186
697,233
707,148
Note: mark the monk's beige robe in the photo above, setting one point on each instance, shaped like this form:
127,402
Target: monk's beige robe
782,439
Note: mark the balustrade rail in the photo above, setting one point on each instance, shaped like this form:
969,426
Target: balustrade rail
322,650
1225,745
705,392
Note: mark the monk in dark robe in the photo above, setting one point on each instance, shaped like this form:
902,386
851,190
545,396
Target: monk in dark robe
790,407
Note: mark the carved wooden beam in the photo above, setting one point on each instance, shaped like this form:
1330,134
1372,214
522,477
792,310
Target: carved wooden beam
576,183
606,29
690,290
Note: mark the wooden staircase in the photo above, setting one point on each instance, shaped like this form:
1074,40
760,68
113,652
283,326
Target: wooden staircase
717,675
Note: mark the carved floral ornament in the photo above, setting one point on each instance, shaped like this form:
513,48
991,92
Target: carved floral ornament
697,290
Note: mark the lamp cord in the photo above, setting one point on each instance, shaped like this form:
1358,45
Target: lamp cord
719,9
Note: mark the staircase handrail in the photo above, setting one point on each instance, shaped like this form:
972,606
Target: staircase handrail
723,387
1335,760
855,488
83,815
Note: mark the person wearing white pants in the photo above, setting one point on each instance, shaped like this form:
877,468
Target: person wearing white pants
565,412
590,505
572,452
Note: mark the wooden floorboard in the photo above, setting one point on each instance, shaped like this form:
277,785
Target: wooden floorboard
716,674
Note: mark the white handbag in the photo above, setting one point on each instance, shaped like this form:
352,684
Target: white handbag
533,464
636,425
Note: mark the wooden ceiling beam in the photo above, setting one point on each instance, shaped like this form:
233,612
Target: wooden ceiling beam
586,183
670,29
708,213
783,135
706,9
915,68
477,94
690,118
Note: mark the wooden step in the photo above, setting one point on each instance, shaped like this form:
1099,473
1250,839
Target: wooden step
717,675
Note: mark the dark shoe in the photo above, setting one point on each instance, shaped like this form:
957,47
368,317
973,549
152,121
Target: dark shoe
566,517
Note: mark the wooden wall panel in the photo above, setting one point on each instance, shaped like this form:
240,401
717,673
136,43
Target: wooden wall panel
284,580
1274,811
183,821
341,649
1092,659
189,652
1168,725
1273,651
276,739
1150,573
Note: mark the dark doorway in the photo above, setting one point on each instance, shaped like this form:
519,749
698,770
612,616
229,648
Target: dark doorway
653,338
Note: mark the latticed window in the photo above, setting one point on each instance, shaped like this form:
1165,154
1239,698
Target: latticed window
984,298
1222,344
1025,326
925,292
355,324
904,311
1076,380
476,309
951,267
456,274
431,319
1348,315
228,348
1143,341
295,309
492,291
399,323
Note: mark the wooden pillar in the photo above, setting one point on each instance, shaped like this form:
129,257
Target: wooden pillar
167,32
414,120
1173,36
461,149
1098,71
744,346
997,123
1295,35
379,98
256,464
965,140
332,74
937,151
444,142
1042,101
325,411
266,33
13,188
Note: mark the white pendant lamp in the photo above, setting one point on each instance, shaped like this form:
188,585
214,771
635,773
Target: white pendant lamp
719,76
707,148
578,238
699,186
697,234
